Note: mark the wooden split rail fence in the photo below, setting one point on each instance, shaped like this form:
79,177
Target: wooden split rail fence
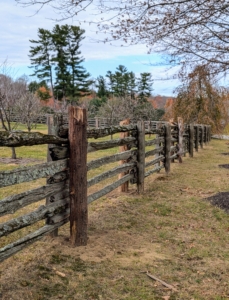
66,170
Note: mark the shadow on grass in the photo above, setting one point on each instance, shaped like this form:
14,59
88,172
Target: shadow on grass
220,200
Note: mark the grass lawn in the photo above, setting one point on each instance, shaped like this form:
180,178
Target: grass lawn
171,230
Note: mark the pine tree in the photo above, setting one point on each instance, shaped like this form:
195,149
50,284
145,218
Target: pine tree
145,83
58,51
102,87
41,56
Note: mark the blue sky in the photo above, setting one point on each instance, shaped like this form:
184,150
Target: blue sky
18,25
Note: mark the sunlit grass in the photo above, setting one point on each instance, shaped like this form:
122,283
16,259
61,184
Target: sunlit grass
170,230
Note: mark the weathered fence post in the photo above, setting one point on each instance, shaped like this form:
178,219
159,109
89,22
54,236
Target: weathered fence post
209,133
197,138
96,122
167,147
78,176
141,156
171,122
191,139
124,187
180,138
202,137
205,134
158,144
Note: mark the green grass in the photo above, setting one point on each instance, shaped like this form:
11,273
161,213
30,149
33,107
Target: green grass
171,230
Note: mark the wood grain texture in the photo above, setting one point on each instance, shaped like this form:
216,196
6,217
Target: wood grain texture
130,155
167,147
13,203
111,144
153,152
124,187
110,173
30,173
29,239
17,139
28,219
141,157
109,188
78,176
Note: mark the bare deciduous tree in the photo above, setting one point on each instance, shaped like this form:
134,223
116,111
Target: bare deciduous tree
10,92
120,108
28,109
193,31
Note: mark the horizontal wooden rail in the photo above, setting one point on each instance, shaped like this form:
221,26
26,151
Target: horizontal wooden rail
174,156
39,214
17,139
154,142
111,144
110,173
153,152
99,132
155,170
109,188
30,173
14,247
13,203
154,161
130,154
154,131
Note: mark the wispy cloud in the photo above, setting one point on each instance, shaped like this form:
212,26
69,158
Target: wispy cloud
19,25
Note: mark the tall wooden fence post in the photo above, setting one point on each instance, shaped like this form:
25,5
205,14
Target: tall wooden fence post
158,144
197,138
180,138
209,133
167,147
191,139
141,156
205,134
96,122
202,136
124,187
78,176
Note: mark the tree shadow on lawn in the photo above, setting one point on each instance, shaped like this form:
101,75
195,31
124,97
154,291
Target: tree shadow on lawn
220,200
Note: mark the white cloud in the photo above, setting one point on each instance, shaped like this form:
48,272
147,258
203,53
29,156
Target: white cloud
19,25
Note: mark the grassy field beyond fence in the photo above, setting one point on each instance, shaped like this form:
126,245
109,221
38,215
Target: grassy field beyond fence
171,231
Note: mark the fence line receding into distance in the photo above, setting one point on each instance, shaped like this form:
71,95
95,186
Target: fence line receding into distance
66,186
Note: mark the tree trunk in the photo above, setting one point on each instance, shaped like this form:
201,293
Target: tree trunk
14,156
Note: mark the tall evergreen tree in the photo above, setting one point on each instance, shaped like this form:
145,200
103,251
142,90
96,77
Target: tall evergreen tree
102,87
132,85
64,58
41,56
122,83
145,83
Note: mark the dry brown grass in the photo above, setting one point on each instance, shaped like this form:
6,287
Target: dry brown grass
171,231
